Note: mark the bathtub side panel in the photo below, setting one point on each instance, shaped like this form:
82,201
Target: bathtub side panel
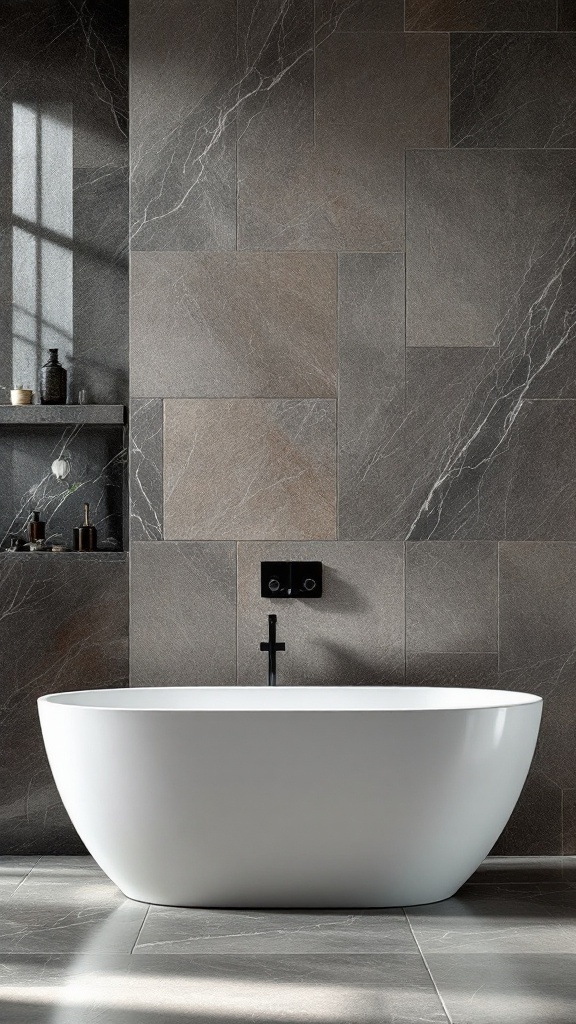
289,808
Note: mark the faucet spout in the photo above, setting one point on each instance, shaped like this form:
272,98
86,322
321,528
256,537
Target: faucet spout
272,647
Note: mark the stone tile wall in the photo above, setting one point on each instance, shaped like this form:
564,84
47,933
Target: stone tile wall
352,339
63,617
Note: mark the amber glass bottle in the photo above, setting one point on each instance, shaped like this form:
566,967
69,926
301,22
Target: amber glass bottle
87,535
36,528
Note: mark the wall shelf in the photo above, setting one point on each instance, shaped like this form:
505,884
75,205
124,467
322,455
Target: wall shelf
98,555
61,415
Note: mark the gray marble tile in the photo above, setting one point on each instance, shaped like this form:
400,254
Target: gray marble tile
97,460
535,826
372,358
468,457
66,67
512,477
569,822
513,90
100,343
61,415
480,15
451,597
13,871
362,584
301,185
393,83
358,989
566,16
249,469
476,670
250,932
146,461
215,343
417,465
182,126
537,655
505,919
537,642
358,16
488,262
492,988
539,502
67,905
535,871
76,609
188,591
76,54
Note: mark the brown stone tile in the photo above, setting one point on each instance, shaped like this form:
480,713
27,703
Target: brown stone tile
249,469
233,325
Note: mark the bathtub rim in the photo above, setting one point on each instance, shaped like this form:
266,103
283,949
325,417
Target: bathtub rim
494,699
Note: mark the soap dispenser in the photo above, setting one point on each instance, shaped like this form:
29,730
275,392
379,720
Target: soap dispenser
85,536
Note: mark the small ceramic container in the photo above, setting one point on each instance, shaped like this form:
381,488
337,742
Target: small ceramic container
21,396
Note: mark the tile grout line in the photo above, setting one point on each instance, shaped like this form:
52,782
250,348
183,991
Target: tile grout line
314,75
338,362
436,989
450,90
237,603
144,919
405,267
452,31
562,823
404,574
498,610
236,120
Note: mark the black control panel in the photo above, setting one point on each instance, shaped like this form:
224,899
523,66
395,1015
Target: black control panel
291,579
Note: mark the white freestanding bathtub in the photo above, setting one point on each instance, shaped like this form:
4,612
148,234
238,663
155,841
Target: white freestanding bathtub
289,796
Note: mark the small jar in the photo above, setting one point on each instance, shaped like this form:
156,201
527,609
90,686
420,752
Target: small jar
21,396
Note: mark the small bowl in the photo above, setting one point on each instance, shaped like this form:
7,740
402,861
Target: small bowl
21,396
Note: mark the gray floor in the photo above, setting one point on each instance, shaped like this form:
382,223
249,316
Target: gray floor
73,950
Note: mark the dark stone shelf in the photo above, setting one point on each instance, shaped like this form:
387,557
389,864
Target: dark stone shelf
61,415
94,556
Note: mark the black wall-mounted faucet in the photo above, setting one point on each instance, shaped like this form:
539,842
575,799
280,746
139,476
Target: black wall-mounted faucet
272,647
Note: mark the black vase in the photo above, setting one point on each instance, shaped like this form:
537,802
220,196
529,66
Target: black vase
53,379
